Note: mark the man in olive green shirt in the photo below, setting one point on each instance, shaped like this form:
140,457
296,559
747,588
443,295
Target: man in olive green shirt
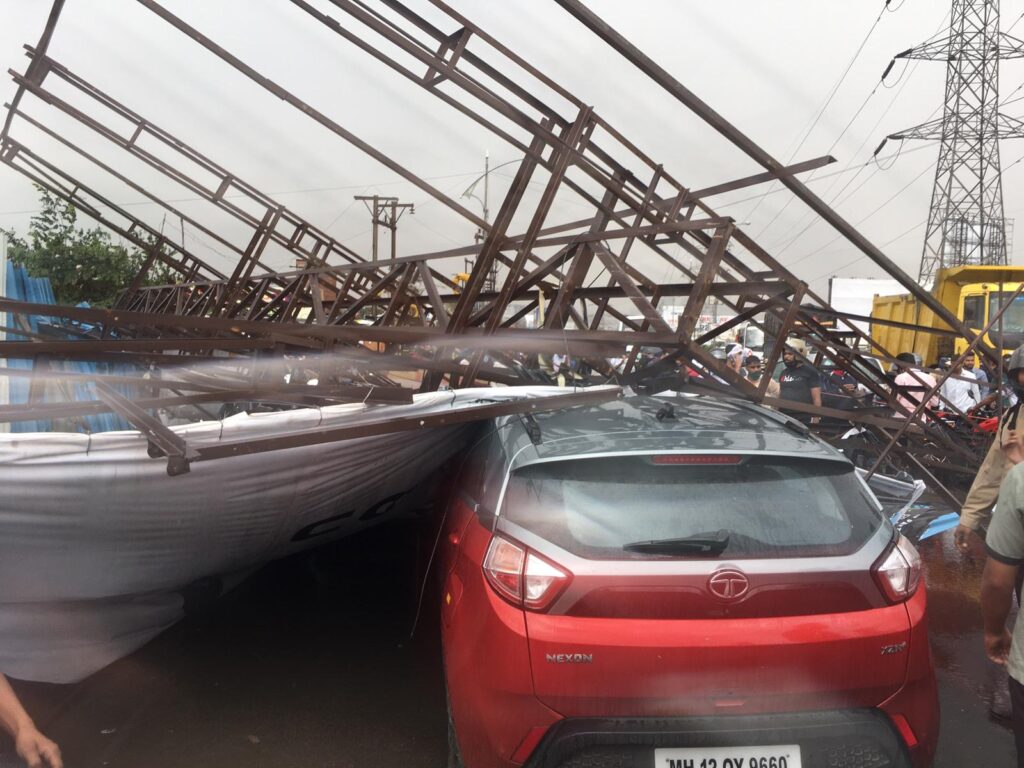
1005,545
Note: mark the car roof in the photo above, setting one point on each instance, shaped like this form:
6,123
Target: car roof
631,425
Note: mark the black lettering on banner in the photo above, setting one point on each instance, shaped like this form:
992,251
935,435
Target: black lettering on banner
317,529
379,509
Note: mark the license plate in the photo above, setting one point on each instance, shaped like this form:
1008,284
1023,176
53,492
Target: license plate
779,756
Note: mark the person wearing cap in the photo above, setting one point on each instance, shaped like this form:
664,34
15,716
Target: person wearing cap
1006,451
734,357
800,383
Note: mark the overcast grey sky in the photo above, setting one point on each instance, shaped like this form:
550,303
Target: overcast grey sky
766,66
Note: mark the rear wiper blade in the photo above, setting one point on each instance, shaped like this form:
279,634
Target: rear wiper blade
699,544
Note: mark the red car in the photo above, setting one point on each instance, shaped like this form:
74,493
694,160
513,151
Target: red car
678,583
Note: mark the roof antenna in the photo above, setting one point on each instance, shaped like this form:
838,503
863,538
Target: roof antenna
666,412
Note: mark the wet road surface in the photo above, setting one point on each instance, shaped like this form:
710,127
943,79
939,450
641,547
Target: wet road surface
309,663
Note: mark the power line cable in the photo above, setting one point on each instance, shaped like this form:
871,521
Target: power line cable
856,153
861,258
1015,23
823,178
877,210
828,99
828,152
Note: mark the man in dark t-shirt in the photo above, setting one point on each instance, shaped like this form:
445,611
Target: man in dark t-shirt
801,383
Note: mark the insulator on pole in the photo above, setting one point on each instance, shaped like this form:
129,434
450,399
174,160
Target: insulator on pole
879,148
888,69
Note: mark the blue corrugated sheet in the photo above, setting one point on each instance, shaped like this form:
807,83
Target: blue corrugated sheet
22,287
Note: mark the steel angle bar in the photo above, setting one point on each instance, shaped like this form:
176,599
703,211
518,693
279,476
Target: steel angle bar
298,393
226,181
857,417
659,75
634,351
428,56
310,111
933,482
663,205
136,381
579,267
243,270
657,366
436,302
36,73
830,312
70,190
760,178
705,276
129,183
387,426
647,309
161,439
22,349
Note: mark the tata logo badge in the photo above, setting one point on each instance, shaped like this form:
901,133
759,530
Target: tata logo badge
728,584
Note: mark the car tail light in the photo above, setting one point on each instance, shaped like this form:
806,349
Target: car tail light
898,572
503,566
521,576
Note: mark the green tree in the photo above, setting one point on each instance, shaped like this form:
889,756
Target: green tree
82,264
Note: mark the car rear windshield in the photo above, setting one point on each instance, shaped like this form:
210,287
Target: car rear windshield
768,506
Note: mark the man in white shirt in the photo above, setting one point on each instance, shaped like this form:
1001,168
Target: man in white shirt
961,394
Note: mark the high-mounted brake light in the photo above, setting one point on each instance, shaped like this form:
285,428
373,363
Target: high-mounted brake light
898,573
522,577
691,458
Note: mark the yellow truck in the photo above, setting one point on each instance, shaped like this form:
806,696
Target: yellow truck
973,293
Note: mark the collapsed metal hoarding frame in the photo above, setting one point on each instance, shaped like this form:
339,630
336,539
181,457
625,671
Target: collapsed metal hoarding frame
421,319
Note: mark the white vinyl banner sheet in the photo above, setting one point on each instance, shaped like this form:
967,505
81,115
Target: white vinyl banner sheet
96,540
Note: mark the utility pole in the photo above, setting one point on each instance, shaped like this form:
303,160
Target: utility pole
385,212
965,222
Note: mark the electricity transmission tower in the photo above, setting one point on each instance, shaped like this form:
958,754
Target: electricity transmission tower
965,221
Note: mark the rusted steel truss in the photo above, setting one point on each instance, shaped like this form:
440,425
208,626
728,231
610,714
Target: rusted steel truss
596,285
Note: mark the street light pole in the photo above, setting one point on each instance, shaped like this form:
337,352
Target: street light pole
492,279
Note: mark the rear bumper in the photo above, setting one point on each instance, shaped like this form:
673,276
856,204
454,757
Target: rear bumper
859,738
